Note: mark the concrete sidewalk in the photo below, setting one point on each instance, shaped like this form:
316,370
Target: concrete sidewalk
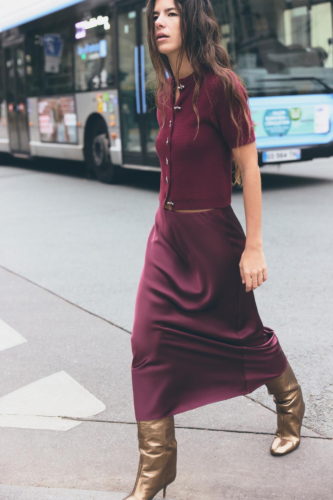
212,465
29,493
223,448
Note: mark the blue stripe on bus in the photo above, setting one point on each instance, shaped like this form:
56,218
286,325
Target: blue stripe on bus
143,79
137,82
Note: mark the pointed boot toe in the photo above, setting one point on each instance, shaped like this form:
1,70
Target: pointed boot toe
132,497
281,446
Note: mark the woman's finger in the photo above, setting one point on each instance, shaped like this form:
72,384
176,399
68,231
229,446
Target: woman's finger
260,278
241,272
265,273
254,280
248,281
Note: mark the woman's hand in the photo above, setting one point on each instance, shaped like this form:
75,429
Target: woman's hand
253,267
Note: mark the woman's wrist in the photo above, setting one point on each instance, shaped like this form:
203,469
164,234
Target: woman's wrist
254,243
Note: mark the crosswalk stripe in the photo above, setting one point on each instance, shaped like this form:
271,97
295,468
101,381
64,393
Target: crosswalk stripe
9,337
47,403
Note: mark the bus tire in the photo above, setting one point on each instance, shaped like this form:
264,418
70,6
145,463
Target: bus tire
98,158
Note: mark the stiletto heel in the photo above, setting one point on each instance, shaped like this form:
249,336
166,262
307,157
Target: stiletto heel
158,458
290,411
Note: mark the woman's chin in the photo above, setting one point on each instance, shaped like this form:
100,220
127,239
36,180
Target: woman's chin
166,51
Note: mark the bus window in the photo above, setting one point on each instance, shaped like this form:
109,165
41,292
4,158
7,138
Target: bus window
49,61
2,86
34,64
93,54
279,47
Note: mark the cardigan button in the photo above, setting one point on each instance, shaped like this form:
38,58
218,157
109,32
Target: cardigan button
181,86
170,122
177,107
166,179
167,161
166,142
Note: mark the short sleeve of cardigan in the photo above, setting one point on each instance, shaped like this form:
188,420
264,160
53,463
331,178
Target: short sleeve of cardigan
228,128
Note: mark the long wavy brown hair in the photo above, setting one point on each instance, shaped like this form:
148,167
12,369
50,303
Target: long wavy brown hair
202,44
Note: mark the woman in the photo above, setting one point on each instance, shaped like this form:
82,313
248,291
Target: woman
197,336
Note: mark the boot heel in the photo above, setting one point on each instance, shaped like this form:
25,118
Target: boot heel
164,490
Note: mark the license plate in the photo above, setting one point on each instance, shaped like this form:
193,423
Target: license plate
281,155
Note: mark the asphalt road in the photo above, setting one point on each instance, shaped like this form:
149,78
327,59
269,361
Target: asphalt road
82,242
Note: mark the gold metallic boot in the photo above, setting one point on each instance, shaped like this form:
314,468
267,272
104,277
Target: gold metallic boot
158,458
290,411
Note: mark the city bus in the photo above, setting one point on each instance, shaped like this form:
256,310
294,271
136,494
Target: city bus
76,80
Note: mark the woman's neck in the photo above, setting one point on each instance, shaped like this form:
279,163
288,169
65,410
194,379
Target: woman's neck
185,70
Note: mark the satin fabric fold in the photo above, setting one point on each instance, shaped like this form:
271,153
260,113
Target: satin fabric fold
197,336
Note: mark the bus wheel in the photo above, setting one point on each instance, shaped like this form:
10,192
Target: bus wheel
98,159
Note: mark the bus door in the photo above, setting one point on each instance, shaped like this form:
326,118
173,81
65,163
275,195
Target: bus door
17,113
136,96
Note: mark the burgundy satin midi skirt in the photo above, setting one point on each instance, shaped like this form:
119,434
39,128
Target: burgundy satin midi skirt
197,337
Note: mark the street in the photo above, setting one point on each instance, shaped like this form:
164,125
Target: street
71,255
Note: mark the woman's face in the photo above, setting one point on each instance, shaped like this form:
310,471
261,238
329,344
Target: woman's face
167,22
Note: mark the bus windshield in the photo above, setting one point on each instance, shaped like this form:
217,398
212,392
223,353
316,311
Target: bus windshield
281,47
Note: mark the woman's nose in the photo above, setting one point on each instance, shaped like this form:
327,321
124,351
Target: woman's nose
158,21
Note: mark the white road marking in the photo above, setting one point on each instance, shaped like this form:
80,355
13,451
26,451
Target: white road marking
43,403
9,337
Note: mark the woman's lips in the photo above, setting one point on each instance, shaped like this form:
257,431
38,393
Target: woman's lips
161,35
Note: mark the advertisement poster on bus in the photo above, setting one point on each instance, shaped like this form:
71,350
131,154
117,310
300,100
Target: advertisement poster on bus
53,47
57,119
286,120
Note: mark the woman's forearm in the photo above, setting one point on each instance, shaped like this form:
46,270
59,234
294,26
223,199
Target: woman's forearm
252,199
